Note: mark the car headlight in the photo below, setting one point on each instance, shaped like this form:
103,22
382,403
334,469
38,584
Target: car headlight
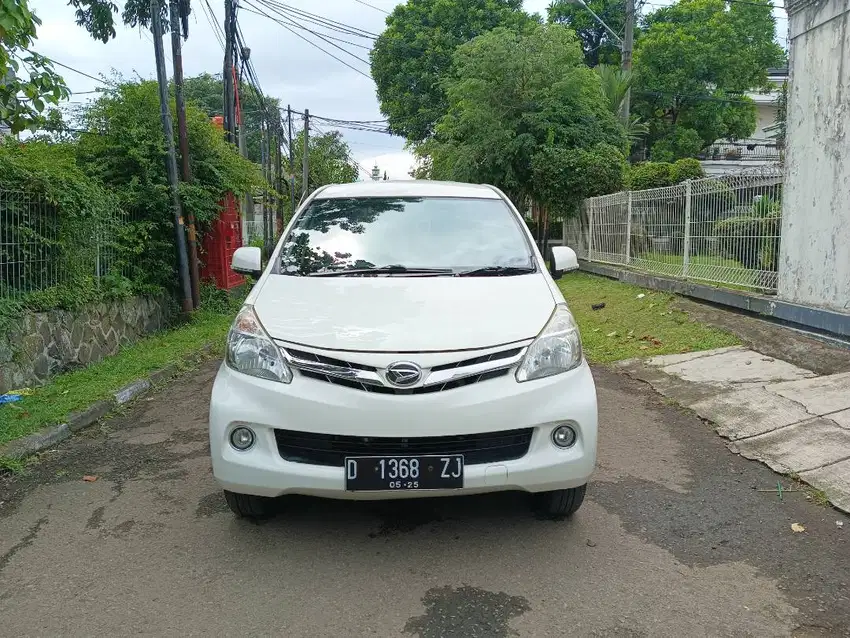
557,348
251,351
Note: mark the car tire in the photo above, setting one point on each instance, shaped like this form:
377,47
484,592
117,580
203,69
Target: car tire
249,506
559,504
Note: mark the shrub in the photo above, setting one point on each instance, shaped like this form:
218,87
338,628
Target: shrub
659,174
60,223
752,239
688,168
650,175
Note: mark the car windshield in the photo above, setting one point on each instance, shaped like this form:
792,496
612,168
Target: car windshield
403,235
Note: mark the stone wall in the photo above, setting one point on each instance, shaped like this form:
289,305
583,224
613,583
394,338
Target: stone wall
47,343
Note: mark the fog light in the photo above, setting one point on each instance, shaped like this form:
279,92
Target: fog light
242,438
564,436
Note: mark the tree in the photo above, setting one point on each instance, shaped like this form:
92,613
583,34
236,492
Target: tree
598,45
616,83
97,16
695,62
330,160
207,91
123,148
527,115
22,102
414,53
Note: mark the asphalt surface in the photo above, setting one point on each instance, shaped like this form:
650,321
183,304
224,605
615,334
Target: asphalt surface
674,539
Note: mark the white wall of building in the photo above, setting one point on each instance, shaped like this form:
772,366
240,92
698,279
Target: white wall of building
815,255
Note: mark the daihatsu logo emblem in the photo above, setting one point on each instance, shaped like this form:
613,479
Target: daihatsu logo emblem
404,373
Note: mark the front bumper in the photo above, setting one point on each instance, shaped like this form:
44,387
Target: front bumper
310,405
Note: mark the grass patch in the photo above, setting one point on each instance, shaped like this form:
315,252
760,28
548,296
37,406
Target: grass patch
711,270
75,391
630,327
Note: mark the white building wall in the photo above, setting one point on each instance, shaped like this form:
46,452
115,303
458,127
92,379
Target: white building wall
814,264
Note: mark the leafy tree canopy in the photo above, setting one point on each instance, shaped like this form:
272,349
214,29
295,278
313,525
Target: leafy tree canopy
527,115
415,51
22,101
124,149
98,16
330,160
207,91
598,45
694,62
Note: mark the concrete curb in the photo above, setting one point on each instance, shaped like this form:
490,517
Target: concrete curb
49,436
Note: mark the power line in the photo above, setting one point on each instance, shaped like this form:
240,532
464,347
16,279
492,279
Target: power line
318,35
301,26
372,6
83,73
213,21
348,152
322,21
311,43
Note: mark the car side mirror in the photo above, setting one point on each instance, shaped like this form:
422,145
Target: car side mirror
248,260
564,259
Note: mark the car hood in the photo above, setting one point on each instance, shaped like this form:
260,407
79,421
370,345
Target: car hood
404,314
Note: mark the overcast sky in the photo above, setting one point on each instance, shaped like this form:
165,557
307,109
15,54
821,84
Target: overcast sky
288,67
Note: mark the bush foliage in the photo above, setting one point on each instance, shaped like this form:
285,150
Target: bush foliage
67,204
659,174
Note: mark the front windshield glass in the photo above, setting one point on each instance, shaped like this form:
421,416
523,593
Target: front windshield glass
449,234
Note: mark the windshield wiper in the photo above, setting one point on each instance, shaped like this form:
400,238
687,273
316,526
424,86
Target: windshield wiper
394,269
496,271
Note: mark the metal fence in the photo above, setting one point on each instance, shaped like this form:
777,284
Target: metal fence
722,230
38,250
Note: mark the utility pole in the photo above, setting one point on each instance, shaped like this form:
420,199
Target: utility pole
279,172
291,161
264,170
183,138
227,72
171,159
626,57
305,156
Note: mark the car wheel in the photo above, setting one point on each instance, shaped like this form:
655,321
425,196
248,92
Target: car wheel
248,505
559,503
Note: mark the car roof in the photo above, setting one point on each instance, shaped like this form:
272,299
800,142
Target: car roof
407,188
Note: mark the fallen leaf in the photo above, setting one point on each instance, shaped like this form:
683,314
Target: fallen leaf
612,334
641,296
89,478
652,305
597,329
644,347
797,528
590,543
656,343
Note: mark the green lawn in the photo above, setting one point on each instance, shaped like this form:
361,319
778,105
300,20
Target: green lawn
629,326
52,403
706,269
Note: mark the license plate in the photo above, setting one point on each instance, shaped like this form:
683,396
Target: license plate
380,473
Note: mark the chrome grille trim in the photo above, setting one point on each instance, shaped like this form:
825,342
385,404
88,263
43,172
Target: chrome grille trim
374,376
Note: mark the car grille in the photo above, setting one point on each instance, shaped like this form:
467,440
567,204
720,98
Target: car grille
332,449
367,378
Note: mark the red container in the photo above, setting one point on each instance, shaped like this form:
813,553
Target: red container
219,244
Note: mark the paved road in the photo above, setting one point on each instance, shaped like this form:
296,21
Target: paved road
673,541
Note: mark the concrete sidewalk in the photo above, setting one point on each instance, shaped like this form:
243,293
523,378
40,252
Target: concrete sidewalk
790,418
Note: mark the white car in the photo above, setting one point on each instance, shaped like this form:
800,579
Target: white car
405,340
